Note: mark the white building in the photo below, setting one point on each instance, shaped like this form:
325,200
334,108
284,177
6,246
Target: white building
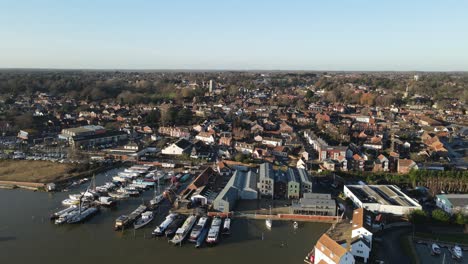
272,141
266,179
361,236
453,203
178,148
206,137
329,251
381,199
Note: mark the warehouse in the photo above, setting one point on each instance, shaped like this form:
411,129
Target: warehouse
381,198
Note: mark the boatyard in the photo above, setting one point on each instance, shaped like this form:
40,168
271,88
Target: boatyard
28,225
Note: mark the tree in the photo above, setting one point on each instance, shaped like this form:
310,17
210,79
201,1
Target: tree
153,117
418,216
367,99
184,116
309,94
461,219
440,216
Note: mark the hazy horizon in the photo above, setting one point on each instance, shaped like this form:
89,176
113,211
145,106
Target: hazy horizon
257,35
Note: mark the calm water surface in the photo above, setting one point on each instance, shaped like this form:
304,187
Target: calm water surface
27,236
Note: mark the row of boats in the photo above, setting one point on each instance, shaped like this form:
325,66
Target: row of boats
82,206
195,229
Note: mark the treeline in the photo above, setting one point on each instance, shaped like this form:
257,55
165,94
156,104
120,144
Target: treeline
437,216
452,181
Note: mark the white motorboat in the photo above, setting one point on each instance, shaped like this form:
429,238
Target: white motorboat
70,202
226,226
118,195
156,200
183,231
202,222
269,223
145,219
213,233
106,201
295,225
435,249
159,231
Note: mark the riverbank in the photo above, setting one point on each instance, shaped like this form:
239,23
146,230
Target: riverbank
34,171
34,175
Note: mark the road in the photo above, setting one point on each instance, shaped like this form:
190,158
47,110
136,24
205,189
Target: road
389,248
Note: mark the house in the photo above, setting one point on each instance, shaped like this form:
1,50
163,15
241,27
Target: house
244,147
223,169
301,164
453,203
206,137
285,128
328,251
225,140
272,141
306,184
266,180
406,165
294,186
180,147
361,235
359,248
381,163
357,163
177,132
281,185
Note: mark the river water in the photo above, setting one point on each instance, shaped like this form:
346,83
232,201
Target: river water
27,236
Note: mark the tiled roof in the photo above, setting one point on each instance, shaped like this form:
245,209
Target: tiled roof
330,248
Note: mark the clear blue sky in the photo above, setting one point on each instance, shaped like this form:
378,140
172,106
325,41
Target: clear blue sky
243,34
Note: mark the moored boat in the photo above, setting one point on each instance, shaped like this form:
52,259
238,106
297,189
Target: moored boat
82,215
226,227
63,218
156,200
145,219
295,225
269,223
202,222
125,220
63,211
213,233
202,236
183,231
121,222
159,231
70,202
172,228
119,195
106,201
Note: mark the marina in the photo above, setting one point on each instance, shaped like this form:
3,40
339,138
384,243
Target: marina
27,226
